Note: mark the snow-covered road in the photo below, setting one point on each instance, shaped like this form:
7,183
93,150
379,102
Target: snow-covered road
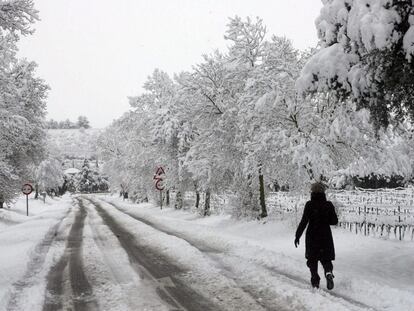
238,269
99,253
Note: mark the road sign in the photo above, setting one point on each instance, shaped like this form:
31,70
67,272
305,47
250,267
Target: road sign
159,185
27,189
160,171
158,177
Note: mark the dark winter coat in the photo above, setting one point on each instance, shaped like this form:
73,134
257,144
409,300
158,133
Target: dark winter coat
318,215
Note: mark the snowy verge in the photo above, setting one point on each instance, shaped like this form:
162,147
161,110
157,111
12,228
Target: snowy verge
28,247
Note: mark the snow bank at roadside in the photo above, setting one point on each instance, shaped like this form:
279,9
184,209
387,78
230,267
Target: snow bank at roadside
21,265
372,271
17,212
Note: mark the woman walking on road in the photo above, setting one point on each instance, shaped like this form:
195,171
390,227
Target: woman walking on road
319,214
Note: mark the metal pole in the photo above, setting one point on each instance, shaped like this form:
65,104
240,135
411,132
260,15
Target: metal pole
161,198
27,205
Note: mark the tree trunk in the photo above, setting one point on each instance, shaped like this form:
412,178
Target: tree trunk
310,171
262,195
36,191
197,193
168,198
248,198
178,201
207,203
197,203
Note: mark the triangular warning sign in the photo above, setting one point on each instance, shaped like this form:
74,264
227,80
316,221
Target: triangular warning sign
160,171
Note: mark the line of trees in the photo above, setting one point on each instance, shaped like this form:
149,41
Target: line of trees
22,101
82,122
237,123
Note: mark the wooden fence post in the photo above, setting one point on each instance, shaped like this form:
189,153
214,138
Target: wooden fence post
365,220
399,221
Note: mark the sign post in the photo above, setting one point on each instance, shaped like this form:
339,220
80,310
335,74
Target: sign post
27,189
160,199
158,177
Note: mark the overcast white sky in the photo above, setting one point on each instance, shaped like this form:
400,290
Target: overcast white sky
95,53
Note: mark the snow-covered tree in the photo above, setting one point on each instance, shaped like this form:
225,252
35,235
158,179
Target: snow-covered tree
236,124
127,156
90,180
366,52
17,16
49,175
22,100
208,98
83,122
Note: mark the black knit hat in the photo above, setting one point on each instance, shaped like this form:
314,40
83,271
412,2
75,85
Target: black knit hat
317,188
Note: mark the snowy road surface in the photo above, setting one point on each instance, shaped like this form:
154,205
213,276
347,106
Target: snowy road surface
98,253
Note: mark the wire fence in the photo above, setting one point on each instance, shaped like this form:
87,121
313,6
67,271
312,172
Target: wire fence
386,213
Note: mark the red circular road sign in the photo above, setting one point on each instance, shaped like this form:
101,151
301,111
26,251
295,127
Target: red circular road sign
159,174
27,189
159,185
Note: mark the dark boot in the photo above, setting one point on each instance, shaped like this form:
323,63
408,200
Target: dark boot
313,267
329,280
315,281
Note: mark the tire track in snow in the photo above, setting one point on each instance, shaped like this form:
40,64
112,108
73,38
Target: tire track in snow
252,297
160,270
117,286
36,264
214,253
210,252
80,294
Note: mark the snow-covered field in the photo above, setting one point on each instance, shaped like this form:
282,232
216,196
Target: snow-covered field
74,143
